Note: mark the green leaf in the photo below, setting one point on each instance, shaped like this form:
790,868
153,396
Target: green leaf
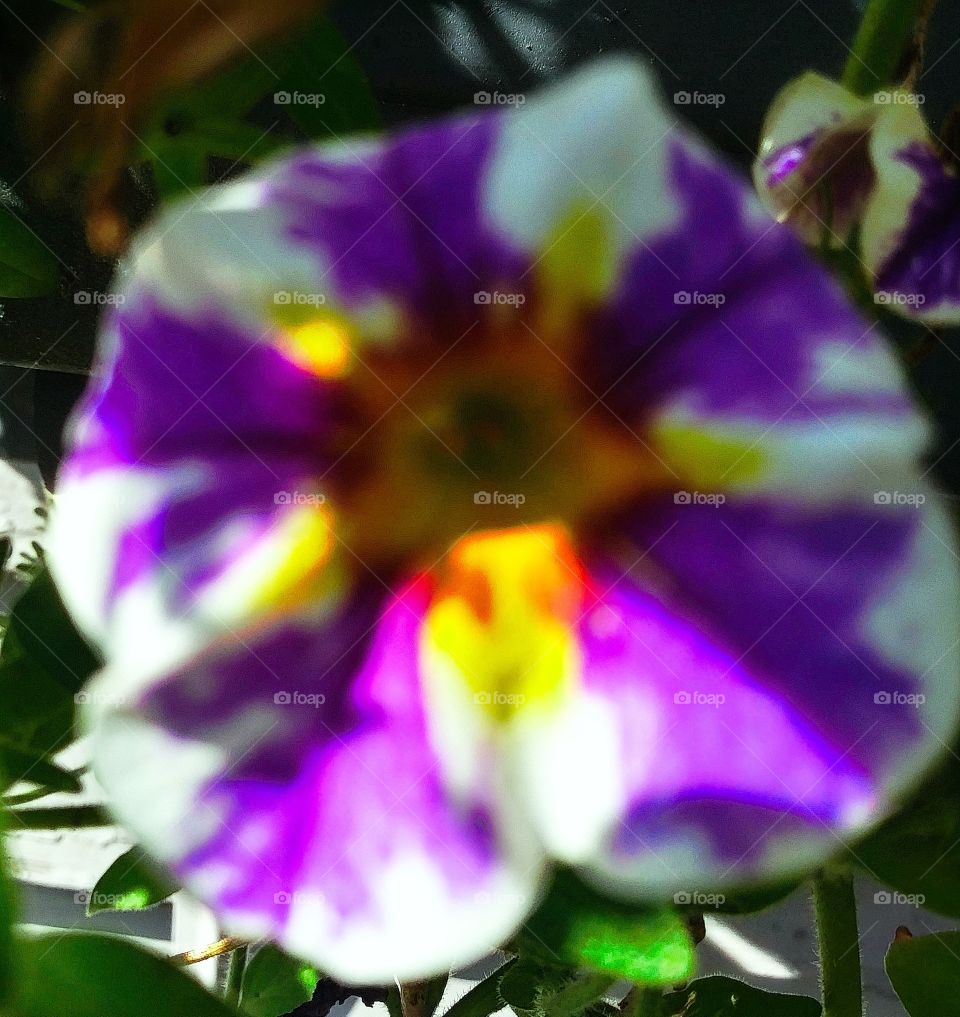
131,883
577,926
28,268
751,899
275,983
320,64
18,764
532,989
6,930
88,975
925,972
484,998
917,851
718,996
44,662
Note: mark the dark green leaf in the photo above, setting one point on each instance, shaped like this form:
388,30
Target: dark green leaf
18,764
484,998
43,664
320,68
6,930
717,996
275,983
131,883
577,926
917,852
925,972
541,990
87,975
28,268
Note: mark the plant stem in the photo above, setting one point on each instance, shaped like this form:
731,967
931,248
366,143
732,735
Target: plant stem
887,29
642,1001
222,946
578,994
835,908
238,963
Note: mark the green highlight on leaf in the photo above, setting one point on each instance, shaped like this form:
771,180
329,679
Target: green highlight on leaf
575,925
275,983
131,883
925,973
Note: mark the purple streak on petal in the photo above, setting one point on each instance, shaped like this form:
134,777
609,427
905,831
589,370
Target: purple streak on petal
753,356
925,263
787,592
405,221
339,790
781,163
712,729
181,389
241,678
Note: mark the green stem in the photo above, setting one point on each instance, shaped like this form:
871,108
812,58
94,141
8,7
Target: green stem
887,29
238,963
578,995
642,1001
835,908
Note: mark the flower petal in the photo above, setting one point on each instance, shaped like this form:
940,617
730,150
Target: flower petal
317,814
745,382
910,228
790,672
813,167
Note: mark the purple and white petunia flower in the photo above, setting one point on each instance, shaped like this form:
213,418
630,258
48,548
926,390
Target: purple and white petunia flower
500,492
830,161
